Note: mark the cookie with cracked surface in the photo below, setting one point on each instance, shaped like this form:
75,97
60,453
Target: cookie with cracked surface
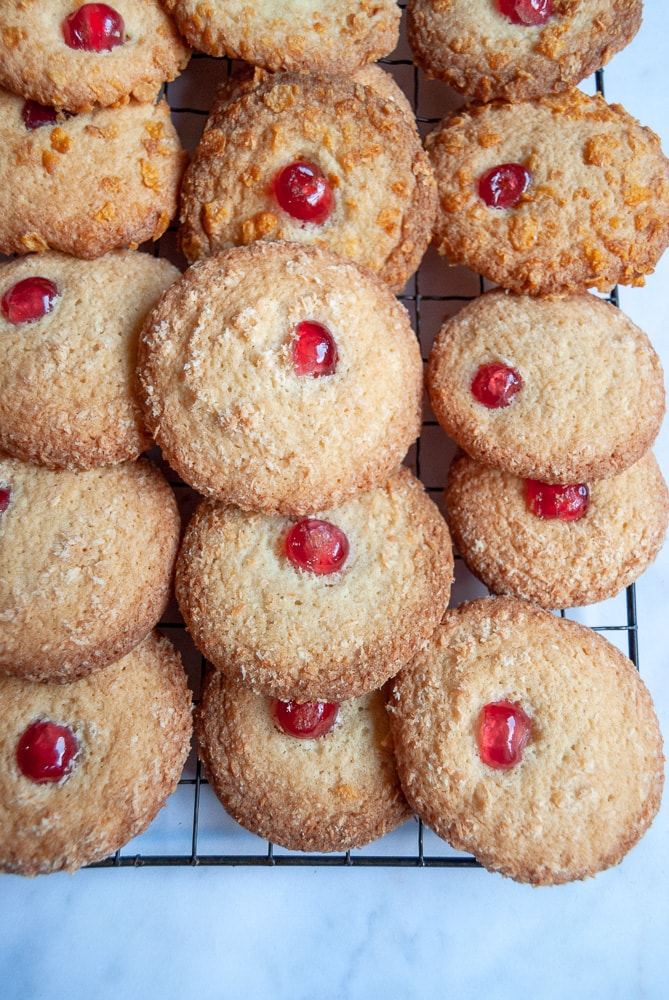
564,390
326,793
76,56
87,766
557,561
261,364
529,741
516,50
556,195
324,608
320,160
295,35
87,561
68,346
88,183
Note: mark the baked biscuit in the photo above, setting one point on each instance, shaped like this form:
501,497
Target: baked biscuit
486,54
320,160
556,195
294,35
129,727
231,400
89,183
74,57
587,398
67,375
589,780
329,793
87,560
557,563
295,632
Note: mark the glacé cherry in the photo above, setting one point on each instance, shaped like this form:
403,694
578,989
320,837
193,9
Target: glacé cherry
28,300
503,732
46,751
317,546
35,115
504,185
5,497
306,720
495,384
302,191
557,501
528,12
314,350
94,27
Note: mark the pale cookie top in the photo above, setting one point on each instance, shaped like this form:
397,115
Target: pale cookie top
485,54
67,378
596,207
294,633
223,398
591,400
557,563
331,793
295,34
89,183
370,156
37,63
87,560
590,779
132,725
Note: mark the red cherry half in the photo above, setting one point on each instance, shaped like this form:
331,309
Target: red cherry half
94,27
29,300
526,11
5,497
302,191
314,350
495,384
46,751
503,185
317,546
306,720
557,501
504,729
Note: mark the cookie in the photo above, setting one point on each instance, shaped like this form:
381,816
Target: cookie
87,560
556,195
516,51
320,160
89,183
125,735
328,793
75,56
263,363
324,608
501,673
607,535
295,35
563,390
68,346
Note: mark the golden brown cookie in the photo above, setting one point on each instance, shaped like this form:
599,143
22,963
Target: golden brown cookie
77,55
333,792
587,783
579,387
233,399
89,183
68,349
605,537
86,766
555,195
327,607
321,160
87,560
517,49
294,35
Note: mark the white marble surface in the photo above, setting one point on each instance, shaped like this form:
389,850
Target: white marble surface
361,933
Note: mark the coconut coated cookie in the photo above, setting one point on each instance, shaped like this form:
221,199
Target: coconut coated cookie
261,365
89,183
320,160
86,766
529,741
517,49
555,195
294,35
327,607
331,792
75,55
68,346
581,544
87,560
563,390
